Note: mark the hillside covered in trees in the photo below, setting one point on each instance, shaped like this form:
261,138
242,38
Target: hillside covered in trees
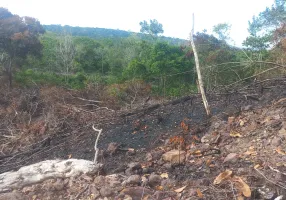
76,57
103,33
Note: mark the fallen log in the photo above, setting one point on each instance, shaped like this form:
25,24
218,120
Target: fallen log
151,108
44,170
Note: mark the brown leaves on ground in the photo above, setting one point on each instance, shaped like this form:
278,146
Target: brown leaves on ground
199,193
280,151
179,190
240,185
222,176
251,151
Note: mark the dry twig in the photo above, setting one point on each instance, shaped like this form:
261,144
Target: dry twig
95,145
269,179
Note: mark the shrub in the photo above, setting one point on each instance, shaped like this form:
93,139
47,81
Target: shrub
29,77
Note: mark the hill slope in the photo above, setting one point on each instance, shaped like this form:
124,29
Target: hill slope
104,33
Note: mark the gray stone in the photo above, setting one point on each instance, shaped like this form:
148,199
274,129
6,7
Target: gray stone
134,180
276,141
134,165
154,180
106,191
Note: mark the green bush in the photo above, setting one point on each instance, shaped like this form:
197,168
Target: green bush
29,77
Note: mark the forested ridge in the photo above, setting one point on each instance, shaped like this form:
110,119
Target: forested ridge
103,33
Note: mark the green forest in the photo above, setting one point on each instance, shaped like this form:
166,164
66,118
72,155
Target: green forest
77,57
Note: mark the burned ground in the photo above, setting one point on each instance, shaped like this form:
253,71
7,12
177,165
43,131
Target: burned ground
247,122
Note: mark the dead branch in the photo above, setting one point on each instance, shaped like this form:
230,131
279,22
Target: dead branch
279,101
200,80
95,145
253,75
93,101
151,108
276,170
269,179
88,100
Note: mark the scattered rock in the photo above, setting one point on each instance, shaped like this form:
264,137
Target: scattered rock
133,168
106,191
174,156
134,165
136,192
276,141
154,180
133,180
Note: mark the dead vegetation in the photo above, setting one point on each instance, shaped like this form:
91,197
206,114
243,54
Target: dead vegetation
166,150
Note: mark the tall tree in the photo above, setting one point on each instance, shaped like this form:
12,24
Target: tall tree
66,53
222,31
18,38
153,28
263,26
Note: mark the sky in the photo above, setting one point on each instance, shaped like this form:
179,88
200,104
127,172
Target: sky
176,16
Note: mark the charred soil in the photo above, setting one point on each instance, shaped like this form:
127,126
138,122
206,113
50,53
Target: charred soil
246,135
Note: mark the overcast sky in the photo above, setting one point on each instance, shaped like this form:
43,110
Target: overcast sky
176,16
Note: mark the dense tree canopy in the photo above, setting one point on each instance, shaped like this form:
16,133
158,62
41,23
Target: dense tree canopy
18,38
263,26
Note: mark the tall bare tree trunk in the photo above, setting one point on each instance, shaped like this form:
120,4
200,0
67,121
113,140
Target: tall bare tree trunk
200,80
66,53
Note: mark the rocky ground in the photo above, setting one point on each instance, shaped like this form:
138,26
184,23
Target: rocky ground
157,150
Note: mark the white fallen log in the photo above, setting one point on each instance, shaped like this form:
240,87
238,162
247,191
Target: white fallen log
48,169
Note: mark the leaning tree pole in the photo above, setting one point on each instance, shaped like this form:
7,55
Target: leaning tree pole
200,80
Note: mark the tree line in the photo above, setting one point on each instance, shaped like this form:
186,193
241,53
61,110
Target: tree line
75,57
